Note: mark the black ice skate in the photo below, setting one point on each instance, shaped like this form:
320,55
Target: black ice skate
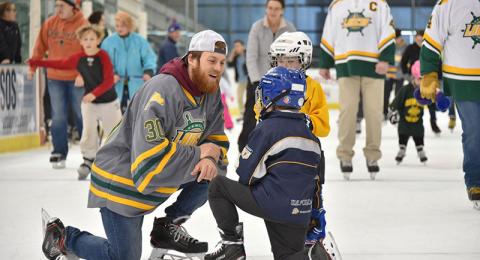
168,234
435,128
401,154
231,247
346,168
53,245
373,169
474,196
421,154
84,168
57,160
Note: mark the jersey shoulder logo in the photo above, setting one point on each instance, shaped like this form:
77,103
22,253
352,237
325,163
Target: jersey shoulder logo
157,98
191,131
356,22
472,30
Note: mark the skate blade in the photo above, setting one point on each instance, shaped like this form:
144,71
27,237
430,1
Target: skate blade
161,253
373,175
476,205
58,165
331,247
346,176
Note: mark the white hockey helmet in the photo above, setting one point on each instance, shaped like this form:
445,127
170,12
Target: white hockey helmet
292,44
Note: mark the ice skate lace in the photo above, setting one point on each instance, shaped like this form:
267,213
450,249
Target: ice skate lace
218,249
180,233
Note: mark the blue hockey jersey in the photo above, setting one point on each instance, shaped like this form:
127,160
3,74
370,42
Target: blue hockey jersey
283,163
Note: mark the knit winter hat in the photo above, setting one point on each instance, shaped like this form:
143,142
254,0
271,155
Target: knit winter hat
73,3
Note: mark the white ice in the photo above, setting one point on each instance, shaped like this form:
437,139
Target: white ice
411,211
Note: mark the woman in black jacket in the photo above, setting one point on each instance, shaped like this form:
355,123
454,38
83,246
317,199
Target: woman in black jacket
10,41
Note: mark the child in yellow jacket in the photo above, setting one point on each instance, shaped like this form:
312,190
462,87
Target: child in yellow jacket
293,50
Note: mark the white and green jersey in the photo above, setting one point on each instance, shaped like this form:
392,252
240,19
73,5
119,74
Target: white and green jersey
357,34
453,33
155,147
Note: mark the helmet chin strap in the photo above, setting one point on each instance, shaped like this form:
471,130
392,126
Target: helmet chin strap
272,103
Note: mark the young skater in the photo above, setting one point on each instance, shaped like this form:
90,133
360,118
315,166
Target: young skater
99,100
278,169
408,113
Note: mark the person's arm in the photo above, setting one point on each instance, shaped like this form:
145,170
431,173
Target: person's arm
107,72
385,27
65,64
251,167
404,62
3,47
252,54
18,55
316,108
216,131
434,38
149,58
327,47
156,160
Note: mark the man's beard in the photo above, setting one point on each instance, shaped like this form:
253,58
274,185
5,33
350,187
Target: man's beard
203,82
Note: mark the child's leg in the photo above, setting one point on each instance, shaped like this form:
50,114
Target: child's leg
226,114
403,140
110,114
287,241
89,140
419,145
223,195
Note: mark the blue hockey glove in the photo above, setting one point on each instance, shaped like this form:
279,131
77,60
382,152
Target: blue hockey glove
317,227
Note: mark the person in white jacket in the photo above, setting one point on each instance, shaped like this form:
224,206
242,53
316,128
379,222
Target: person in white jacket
359,42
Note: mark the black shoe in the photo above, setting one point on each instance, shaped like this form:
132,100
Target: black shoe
53,244
346,166
372,166
168,233
231,247
474,193
400,154
435,128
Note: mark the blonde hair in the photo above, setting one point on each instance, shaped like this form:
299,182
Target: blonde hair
126,19
90,28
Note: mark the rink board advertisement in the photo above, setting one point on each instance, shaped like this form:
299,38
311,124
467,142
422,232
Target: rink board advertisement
18,109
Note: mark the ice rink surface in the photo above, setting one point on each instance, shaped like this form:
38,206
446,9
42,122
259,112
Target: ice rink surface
412,211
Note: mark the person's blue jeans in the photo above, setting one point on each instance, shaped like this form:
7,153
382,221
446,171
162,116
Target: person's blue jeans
469,113
192,197
62,94
124,239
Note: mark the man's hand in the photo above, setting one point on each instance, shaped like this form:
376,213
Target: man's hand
209,149
429,85
206,169
79,81
382,67
116,78
88,98
325,73
146,77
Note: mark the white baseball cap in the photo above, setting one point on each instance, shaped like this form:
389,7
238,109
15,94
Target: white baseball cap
205,41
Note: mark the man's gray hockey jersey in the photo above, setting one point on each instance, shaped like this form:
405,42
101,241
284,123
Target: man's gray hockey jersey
154,149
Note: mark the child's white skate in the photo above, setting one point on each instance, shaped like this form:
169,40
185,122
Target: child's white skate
48,222
160,253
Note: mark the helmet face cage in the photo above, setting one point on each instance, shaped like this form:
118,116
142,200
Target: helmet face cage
292,44
282,87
